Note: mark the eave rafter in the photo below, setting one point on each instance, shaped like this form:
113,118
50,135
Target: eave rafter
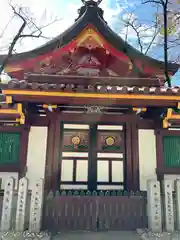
138,100
12,112
172,117
53,98
113,94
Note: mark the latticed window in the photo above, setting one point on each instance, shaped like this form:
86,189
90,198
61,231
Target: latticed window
171,148
9,148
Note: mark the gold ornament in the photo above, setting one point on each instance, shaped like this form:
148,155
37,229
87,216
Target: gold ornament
76,140
110,141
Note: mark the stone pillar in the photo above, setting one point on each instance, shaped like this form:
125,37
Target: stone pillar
168,205
7,205
177,188
154,206
36,207
21,205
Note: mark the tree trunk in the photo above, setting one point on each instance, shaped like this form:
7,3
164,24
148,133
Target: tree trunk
167,78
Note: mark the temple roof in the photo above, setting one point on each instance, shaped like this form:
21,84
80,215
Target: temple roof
91,14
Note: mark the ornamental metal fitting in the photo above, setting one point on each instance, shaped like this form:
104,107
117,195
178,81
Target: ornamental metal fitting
93,109
85,2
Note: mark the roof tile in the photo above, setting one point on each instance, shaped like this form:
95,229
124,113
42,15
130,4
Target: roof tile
21,85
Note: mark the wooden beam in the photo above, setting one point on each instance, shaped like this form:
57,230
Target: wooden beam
49,155
91,80
100,102
135,156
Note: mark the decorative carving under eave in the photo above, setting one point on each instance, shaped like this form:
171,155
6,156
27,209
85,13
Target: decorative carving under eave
172,118
50,107
139,110
9,113
94,109
8,99
90,43
90,39
91,4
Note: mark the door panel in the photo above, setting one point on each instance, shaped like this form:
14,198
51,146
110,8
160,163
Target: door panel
110,157
92,157
74,156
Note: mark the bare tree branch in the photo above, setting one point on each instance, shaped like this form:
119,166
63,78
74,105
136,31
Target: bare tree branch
141,33
15,39
27,22
127,27
152,1
131,24
164,4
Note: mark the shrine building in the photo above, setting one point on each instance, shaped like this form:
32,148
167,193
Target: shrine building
88,111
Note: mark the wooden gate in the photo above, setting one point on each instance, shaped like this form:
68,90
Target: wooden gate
92,157
96,211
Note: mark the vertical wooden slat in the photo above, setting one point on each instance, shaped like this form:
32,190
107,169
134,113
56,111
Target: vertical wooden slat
49,155
135,156
159,155
56,166
92,160
128,164
23,151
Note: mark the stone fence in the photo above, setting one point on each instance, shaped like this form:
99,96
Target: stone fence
163,209
21,214
15,208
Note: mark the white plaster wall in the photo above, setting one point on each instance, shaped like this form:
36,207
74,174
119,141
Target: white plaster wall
147,157
36,155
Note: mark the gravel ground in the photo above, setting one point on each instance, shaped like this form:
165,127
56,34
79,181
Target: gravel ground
117,235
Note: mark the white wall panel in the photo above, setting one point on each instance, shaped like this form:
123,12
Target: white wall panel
67,170
117,171
36,155
82,170
110,187
75,187
102,171
147,157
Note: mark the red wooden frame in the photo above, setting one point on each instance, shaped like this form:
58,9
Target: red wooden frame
53,143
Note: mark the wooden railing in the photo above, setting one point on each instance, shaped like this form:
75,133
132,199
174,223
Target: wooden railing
94,211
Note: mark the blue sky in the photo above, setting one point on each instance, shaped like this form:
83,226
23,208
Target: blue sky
45,11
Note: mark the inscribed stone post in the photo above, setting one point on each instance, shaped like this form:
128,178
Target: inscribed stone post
21,204
168,203
7,205
177,188
36,206
154,206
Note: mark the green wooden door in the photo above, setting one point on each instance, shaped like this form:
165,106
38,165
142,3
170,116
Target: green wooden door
171,147
9,148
